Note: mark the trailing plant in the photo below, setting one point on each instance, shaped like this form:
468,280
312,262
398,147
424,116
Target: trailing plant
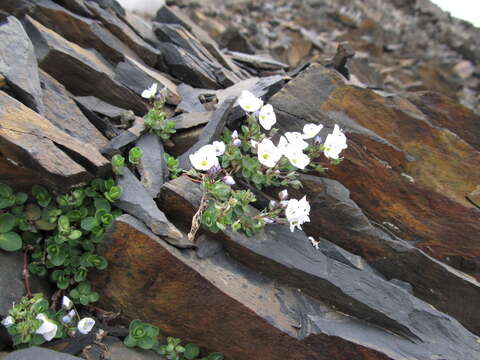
250,154
156,121
33,322
146,336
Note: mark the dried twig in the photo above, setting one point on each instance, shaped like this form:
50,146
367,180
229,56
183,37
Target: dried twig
197,217
26,274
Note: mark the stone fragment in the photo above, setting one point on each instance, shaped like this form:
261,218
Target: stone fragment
18,64
138,77
344,53
234,40
474,196
259,62
119,351
189,120
85,32
142,27
30,143
137,201
100,107
125,138
77,7
152,168
62,112
102,123
211,132
82,72
121,30
183,140
112,5
38,353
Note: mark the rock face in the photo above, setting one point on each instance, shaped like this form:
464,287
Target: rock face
18,63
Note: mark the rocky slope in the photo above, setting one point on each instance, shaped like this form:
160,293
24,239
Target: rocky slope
396,272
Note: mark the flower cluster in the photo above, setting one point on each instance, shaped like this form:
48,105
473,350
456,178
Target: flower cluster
32,322
155,120
262,157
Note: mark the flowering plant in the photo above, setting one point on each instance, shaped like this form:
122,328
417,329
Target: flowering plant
155,120
252,155
32,322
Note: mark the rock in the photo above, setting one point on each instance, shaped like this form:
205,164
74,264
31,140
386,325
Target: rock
119,351
18,64
77,7
464,69
120,29
82,72
382,148
100,107
37,353
142,27
124,138
211,132
112,5
257,61
29,143
152,168
474,196
62,112
138,77
184,140
103,124
137,201
85,32
189,120
234,40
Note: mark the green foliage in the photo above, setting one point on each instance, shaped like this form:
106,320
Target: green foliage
134,155
83,294
157,123
172,165
142,335
118,162
25,323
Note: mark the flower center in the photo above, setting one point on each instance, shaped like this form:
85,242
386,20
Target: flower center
266,156
204,163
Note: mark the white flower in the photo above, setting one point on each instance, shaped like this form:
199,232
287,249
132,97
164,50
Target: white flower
268,154
228,180
296,139
219,147
66,303
283,195
8,321
267,117
85,325
234,134
48,329
297,212
311,130
204,158
335,143
150,92
249,102
297,158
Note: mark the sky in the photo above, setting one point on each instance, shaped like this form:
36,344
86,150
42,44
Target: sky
464,9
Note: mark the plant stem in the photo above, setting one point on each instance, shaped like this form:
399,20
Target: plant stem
26,274
196,218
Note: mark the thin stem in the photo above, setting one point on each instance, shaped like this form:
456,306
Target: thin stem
26,274
196,218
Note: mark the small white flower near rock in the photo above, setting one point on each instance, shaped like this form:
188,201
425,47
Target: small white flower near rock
283,195
48,329
8,321
204,158
85,325
219,147
297,213
150,92
311,130
335,143
228,180
267,117
249,102
295,139
66,303
298,159
268,154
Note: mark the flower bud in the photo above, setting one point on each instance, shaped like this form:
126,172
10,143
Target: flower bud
268,220
214,169
8,321
237,142
317,140
284,204
273,204
66,303
85,325
235,134
283,195
228,180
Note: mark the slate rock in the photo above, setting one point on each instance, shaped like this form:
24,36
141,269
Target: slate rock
38,353
36,151
138,77
85,32
18,64
100,107
77,7
62,112
153,167
112,5
121,30
258,62
211,132
137,201
234,40
189,120
82,72
102,123
125,138
142,27
119,351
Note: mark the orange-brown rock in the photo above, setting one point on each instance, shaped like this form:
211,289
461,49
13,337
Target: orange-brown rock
33,150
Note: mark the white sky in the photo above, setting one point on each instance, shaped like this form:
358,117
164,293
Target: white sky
464,9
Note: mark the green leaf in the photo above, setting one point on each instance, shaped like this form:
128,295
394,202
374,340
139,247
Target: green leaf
10,241
134,155
102,204
21,198
113,194
64,224
5,190
45,225
118,161
146,342
7,222
75,235
88,223
215,356
191,351
7,202
129,341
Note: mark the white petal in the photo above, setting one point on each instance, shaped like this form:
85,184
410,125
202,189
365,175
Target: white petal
219,147
8,321
48,329
66,303
296,139
85,325
311,130
267,117
249,102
